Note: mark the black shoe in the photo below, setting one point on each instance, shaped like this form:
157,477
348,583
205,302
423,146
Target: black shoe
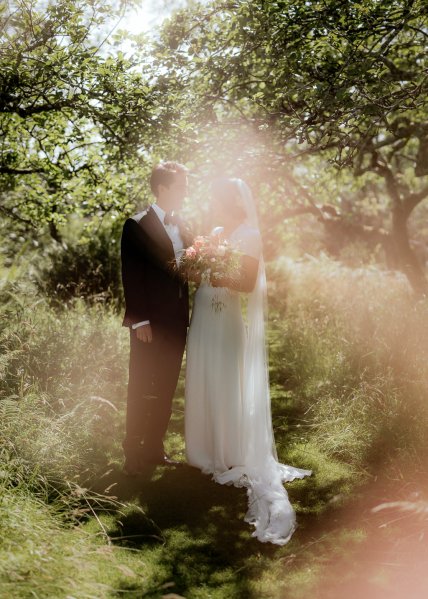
133,466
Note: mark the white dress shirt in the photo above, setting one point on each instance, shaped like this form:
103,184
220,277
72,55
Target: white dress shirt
177,243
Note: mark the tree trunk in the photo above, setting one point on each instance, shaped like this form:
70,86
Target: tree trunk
407,260
54,232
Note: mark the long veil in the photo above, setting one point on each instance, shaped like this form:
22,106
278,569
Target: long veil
269,508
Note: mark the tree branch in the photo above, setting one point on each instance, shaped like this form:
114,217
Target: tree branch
37,109
11,214
412,200
7,170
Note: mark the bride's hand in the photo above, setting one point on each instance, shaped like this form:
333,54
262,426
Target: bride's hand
220,282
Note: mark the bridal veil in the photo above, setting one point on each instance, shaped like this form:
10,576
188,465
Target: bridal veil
269,509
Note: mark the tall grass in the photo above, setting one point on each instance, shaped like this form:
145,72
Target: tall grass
41,557
349,353
62,386
352,345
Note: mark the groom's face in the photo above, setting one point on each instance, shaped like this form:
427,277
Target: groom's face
172,196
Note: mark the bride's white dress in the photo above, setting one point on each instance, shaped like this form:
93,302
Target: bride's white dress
228,429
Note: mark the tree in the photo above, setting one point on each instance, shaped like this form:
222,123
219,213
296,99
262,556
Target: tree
345,80
74,111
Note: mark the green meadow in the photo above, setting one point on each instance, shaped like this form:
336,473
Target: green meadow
349,384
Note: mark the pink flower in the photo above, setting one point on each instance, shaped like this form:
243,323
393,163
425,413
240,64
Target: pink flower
199,242
191,252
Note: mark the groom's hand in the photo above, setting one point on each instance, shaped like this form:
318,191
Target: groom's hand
195,277
144,333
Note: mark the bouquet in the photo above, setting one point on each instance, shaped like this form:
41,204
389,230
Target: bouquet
210,259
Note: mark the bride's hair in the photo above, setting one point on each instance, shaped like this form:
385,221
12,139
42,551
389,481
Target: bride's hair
226,192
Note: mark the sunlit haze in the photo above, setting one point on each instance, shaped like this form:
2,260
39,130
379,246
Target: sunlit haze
149,15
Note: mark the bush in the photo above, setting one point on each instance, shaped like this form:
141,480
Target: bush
86,266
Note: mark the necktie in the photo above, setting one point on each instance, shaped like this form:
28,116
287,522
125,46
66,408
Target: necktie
171,218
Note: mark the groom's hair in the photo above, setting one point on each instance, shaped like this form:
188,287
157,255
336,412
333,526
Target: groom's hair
164,174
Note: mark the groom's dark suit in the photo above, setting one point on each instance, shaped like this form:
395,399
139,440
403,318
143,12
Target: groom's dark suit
154,292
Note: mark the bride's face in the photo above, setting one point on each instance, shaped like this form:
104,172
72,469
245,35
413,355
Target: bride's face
223,210
216,210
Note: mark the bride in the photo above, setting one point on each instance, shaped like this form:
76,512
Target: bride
228,426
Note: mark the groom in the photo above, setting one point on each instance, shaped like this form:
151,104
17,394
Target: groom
157,314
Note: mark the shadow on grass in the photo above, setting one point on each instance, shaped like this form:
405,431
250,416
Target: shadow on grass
193,530
195,543
193,539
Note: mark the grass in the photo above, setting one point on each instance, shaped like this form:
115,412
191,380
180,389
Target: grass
42,557
354,354
349,373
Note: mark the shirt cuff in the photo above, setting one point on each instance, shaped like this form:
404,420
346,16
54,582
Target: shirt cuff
140,324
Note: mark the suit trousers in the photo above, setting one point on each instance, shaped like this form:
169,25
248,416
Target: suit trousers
154,369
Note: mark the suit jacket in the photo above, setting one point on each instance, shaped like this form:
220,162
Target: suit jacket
152,287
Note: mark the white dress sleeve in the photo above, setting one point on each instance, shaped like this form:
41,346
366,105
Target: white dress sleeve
249,243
